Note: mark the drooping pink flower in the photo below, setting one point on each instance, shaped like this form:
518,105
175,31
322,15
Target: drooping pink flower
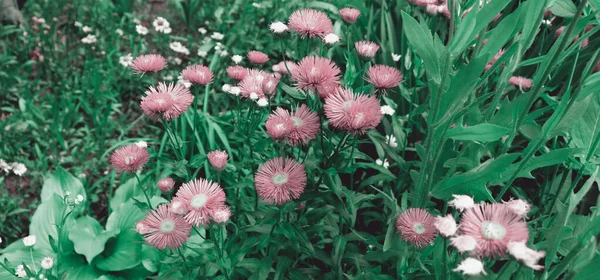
383,77
130,158
269,85
416,227
356,113
306,126
257,57
315,71
528,256
237,72
165,184
311,23
521,82
198,74
349,15
366,49
201,198
280,180
218,159
154,104
279,124
493,226
446,226
163,229
221,215
148,63
253,83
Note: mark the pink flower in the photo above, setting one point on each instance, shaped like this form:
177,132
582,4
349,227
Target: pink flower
366,48
156,103
315,71
493,226
165,184
349,15
281,67
356,113
221,215
269,85
257,57
325,89
521,82
383,77
218,159
253,83
237,72
494,59
446,225
464,243
279,124
423,2
311,23
201,198
280,180
163,229
148,63
597,67
198,74
416,227
178,206
529,257
130,158
306,126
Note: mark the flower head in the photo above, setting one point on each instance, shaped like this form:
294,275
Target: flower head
416,227
349,15
278,27
383,77
29,240
218,159
18,168
521,82
166,184
140,29
366,49
311,23
179,48
262,102
257,57
493,226
269,85
279,124
47,263
283,66
356,113
161,25
315,71
470,266
387,110
178,206
461,202
327,88
331,39
217,36
126,60
164,229
201,198
446,225
306,126
166,101
396,57
528,256
237,72
198,74
253,83
221,215
148,63
89,39
280,180
130,158
518,206
464,243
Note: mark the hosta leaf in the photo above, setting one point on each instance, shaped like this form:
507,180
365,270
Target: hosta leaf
88,237
60,183
563,8
123,252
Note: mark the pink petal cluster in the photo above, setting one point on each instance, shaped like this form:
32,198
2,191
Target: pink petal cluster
584,43
130,158
221,215
297,127
349,15
200,199
218,159
441,8
521,82
416,227
258,82
366,49
283,66
494,59
279,124
198,74
166,184
148,63
310,23
164,229
314,72
280,180
353,112
237,72
383,77
257,57
166,101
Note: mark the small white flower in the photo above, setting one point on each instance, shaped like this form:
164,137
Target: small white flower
387,110
262,102
461,202
256,5
224,53
176,60
137,21
331,39
81,176
396,57
547,22
0,240
160,24
202,30
140,29
167,30
126,60
5,166
142,144
237,58
29,240
235,91
253,96
202,53
79,198
226,87
383,163
217,36
78,24
18,168
184,82
275,68
446,225
89,39
278,27
67,193
528,256
47,263
20,271
464,243
470,266
168,78
119,31
86,29
391,140
518,206
179,48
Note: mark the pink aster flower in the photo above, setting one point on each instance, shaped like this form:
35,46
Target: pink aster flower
493,226
218,159
280,180
221,215
257,57
269,85
311,23
446,225
201,198
279,124
349,15
178,206
197,74
528,256
130,158
325,89
166,184
253,83
306,126
383,77
281,67
163,229
237,72
416,227
356,113
154,104
521,82
148,63
366,48
314,71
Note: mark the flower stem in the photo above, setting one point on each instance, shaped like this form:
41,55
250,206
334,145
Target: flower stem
143,190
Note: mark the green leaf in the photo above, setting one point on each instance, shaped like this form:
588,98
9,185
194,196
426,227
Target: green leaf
88,237
124,217
123,252
339,247
422,41
46,217
59,183
485,132
553,157
86,272
564,8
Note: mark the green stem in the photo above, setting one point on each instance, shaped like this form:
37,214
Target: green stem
143,190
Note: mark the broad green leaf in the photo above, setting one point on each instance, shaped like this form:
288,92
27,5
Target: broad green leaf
61,182
88,237
564,8
483,133
122,252
422,42
584,129
86,272
43,223
551,158
124,217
